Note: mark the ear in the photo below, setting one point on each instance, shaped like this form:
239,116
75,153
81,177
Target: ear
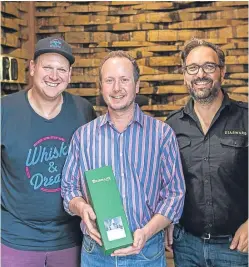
32,68
222,73
137,86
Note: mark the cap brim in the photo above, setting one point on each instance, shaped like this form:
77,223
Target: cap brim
68,56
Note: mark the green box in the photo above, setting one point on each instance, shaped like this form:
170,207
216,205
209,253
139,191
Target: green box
107,205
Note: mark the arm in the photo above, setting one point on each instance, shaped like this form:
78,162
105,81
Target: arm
240,239
169,230
156,224
71,190
168,239
79,207
170,205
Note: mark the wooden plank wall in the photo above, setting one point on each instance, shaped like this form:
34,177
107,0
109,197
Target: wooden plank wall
154,33
15,41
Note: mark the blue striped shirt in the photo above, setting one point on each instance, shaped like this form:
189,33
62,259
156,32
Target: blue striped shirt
145,160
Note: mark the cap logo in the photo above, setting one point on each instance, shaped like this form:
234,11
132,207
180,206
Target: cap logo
55,43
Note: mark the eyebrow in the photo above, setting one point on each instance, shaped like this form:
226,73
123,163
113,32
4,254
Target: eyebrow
202,64
44,64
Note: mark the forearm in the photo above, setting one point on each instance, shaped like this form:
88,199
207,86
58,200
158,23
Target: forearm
76,205
156,224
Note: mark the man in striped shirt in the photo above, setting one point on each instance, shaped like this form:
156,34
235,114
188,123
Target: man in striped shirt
145,159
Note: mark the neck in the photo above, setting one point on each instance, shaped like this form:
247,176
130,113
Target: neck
209,109
122,118
206,112
48,109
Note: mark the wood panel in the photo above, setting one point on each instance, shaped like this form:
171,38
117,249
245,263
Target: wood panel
14,36
154,33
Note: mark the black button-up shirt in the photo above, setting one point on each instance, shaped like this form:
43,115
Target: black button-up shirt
215,167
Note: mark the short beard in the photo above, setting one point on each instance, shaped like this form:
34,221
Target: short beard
210,94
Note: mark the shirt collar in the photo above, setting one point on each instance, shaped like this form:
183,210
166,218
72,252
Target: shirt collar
188,109
137,117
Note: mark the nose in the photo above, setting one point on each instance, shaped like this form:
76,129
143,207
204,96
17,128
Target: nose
53,75
201,73
116,86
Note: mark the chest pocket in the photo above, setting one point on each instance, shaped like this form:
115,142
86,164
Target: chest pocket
234,149
184,143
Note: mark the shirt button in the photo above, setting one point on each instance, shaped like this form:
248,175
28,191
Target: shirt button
206,180
121,154
205,158
208,203
122,174
210,225
205,138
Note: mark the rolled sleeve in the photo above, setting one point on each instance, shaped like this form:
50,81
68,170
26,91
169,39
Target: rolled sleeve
173,189
71,179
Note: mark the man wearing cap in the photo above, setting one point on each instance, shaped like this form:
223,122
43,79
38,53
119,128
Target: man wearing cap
37,126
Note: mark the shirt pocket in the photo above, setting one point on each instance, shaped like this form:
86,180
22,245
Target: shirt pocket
184,143
233,149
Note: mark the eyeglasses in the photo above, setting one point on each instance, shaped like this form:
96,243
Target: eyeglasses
206,67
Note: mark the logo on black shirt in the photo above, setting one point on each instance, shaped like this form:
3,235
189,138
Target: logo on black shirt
235,132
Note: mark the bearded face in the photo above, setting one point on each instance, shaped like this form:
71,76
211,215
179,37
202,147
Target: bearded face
204,90
203,87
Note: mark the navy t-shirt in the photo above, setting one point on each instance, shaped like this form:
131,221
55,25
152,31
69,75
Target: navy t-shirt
34,150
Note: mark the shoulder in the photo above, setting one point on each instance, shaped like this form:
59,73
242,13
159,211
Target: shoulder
12,104
79,101
173,116
163,129
91,125
240,104
12,98
240,108
81,106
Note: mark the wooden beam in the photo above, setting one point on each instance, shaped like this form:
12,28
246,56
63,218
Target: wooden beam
173,35
238,97
162,77
10,39
238,90
9,8
83,91
9,23
243,76
165,107
216,23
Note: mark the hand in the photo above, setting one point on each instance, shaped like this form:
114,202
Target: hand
240,240
169,237
138,244
89,218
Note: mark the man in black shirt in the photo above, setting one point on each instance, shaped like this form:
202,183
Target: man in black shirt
212,132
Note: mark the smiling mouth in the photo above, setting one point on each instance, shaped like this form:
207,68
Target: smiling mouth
202,83
52,84
118,96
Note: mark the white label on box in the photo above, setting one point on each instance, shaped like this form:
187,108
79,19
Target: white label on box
114,228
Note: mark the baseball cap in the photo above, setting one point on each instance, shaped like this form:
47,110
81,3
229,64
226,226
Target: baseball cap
54,45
